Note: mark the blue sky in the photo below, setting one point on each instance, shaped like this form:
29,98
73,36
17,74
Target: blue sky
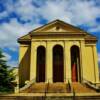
18,17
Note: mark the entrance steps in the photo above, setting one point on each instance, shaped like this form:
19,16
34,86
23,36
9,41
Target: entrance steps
81,88
44,87
58,88
54,91
51,96
57,97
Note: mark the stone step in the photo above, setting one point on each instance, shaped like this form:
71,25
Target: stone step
57,88
22,97
50,88
81,88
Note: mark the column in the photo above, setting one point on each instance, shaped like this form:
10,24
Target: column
96,69
67,62
49,77
82,59
33,61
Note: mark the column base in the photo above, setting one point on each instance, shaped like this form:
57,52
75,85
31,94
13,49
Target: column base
49,81
68,81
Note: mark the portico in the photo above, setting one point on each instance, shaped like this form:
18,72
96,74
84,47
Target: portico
58,52
50,60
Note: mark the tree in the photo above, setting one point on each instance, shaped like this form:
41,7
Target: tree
6,75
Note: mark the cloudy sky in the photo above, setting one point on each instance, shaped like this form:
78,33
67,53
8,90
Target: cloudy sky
18,17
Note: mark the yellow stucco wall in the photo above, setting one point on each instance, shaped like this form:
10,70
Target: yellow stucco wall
24,63
27,59
89,68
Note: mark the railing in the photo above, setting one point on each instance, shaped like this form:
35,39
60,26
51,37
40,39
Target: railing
91,85
46,90
27,85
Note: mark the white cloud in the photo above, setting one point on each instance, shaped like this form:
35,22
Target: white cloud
7,56
12,63
84,11
23,8
3,14
80,12
26,10
55,10
13,48
95,29
11,31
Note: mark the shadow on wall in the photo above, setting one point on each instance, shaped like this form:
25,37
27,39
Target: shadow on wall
24,68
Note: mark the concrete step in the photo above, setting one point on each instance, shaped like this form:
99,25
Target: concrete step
50,88
57,88
81,88
22,97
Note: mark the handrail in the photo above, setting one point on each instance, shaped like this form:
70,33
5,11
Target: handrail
46,90
85,80
90,81
27,85
92,85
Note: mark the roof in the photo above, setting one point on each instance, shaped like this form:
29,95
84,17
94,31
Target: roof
56,27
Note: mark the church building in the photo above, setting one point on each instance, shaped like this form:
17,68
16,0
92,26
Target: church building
58,52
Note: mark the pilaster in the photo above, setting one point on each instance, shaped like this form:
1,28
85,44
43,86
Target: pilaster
82,59
33,61
67,62
96,70
49,67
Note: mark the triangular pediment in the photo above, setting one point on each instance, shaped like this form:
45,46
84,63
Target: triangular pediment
58,26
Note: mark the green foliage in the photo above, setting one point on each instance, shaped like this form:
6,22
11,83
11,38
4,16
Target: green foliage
6,75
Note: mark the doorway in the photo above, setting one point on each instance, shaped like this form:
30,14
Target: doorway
40,72
58,64
75,64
